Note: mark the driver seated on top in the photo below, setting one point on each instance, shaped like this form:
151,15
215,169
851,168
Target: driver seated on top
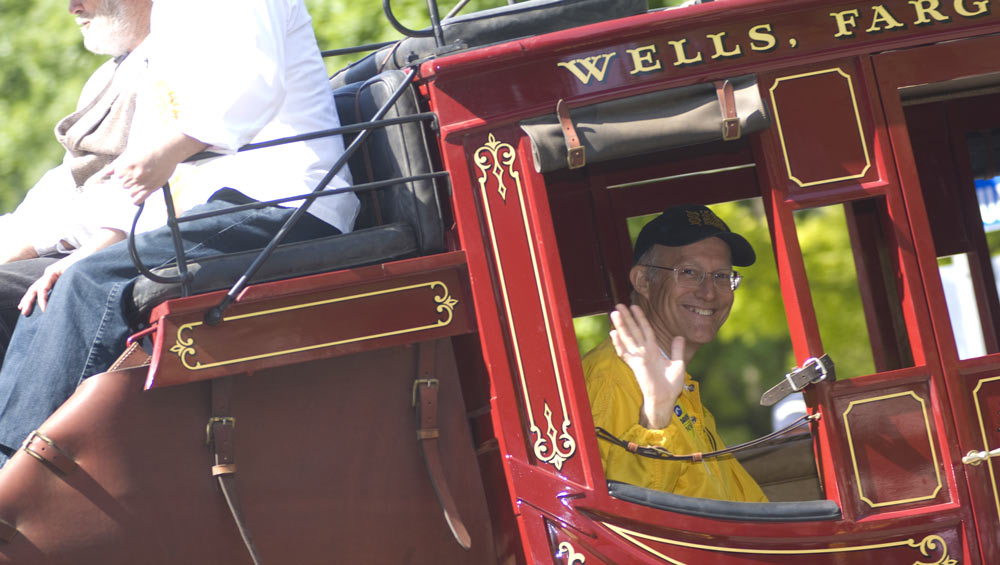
683,282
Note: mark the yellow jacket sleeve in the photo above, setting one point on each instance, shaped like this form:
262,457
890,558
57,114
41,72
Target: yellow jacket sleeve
616,400
616,409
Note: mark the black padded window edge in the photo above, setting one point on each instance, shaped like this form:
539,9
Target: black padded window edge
805,511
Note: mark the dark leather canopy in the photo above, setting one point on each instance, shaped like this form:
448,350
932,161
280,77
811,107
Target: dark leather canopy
655,121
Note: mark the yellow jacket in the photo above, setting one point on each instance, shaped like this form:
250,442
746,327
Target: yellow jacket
616,400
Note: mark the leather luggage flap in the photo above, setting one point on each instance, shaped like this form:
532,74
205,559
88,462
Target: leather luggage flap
649,122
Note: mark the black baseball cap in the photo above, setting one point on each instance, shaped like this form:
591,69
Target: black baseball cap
687,224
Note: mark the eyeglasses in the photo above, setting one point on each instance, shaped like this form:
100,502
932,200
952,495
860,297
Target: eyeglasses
692,278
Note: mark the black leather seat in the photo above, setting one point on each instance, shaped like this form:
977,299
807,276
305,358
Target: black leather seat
398,221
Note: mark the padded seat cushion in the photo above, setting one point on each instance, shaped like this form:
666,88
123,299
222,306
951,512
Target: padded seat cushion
362,247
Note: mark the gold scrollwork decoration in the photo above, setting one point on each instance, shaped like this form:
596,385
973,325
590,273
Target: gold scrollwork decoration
928,545
573,557
554,448
857,117
493,157
184,347
445,303
558,447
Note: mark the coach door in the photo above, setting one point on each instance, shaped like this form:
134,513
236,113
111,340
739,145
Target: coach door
942,105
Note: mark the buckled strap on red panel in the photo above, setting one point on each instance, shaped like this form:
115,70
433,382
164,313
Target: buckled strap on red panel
220,434
814,370
425,394
727,103
576,153
46,451
7,531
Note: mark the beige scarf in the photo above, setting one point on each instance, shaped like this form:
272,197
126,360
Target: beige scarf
97,132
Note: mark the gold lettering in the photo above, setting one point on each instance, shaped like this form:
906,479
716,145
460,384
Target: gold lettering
719,41
846,21
762,38
643,61
682,57
883,16
589,67
923,8
982,8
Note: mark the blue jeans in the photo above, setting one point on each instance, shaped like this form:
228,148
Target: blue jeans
84,326
15,278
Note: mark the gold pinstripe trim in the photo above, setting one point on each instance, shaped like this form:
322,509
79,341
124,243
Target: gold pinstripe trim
854,459
857,117
184,347
557,445
986,443
926,546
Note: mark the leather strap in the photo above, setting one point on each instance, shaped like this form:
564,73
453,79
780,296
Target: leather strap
425,393
7,531
813,370
727,103
663,454
134,356
46,451
576,153
220,435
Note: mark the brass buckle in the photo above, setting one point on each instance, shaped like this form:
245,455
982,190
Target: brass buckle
26,444
217,420
730,129
418,382
577,156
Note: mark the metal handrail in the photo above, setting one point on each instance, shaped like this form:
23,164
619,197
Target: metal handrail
357,49
436,31
352,128
214,315
364,187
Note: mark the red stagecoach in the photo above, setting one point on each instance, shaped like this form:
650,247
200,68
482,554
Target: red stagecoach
412,392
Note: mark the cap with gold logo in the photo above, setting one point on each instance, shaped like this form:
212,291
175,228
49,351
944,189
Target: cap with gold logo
691,223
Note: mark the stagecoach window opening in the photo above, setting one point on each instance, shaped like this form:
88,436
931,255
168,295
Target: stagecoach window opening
752,350
963,311
853,280
956,147
984,154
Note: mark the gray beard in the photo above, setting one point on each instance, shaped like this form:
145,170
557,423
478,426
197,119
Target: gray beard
110,32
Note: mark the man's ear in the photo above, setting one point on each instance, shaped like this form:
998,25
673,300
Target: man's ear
638,276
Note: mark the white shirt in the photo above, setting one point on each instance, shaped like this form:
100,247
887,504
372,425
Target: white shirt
231,72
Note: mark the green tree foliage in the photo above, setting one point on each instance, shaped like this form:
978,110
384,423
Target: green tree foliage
43,66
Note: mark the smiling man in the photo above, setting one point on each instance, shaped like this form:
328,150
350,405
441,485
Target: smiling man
684,285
